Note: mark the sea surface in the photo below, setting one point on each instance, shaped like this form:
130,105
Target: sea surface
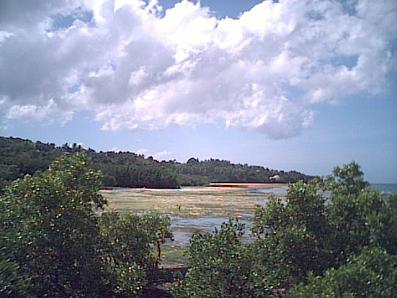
385,187
282,191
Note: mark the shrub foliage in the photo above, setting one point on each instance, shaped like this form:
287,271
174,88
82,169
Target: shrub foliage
327,238
51,235
372,273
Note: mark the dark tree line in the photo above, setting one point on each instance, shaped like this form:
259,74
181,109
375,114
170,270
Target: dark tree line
224,171
126,169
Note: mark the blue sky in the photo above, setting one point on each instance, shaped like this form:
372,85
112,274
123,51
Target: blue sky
255,87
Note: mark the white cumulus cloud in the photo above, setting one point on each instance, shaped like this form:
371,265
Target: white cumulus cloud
140,67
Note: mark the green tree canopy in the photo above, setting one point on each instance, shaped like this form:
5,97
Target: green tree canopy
49,228
54,244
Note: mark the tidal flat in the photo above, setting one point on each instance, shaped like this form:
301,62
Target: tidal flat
194,209
230,200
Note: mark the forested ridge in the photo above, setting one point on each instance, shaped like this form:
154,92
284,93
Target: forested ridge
126,169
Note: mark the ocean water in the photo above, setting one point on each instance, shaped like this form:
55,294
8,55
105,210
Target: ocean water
183,228
282,191
385,187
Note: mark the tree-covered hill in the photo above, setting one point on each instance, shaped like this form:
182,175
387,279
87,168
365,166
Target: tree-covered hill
225,171
19,157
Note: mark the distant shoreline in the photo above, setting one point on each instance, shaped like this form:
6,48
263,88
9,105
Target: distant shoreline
247,185
382,187
213,187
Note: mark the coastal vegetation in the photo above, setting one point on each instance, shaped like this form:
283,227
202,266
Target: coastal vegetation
53,243
331,237
307,245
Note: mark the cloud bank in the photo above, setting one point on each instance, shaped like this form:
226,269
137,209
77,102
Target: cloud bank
137,66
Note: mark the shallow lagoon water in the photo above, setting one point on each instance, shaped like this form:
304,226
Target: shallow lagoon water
195,209
183,228
278,191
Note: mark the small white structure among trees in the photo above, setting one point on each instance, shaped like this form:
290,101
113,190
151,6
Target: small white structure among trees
274,178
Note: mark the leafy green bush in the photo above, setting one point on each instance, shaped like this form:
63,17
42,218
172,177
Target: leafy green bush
48,227
307,232
133,248
384,225
347,179
12,283
126,279
358,216
357,220
219,266
293,235
373,273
